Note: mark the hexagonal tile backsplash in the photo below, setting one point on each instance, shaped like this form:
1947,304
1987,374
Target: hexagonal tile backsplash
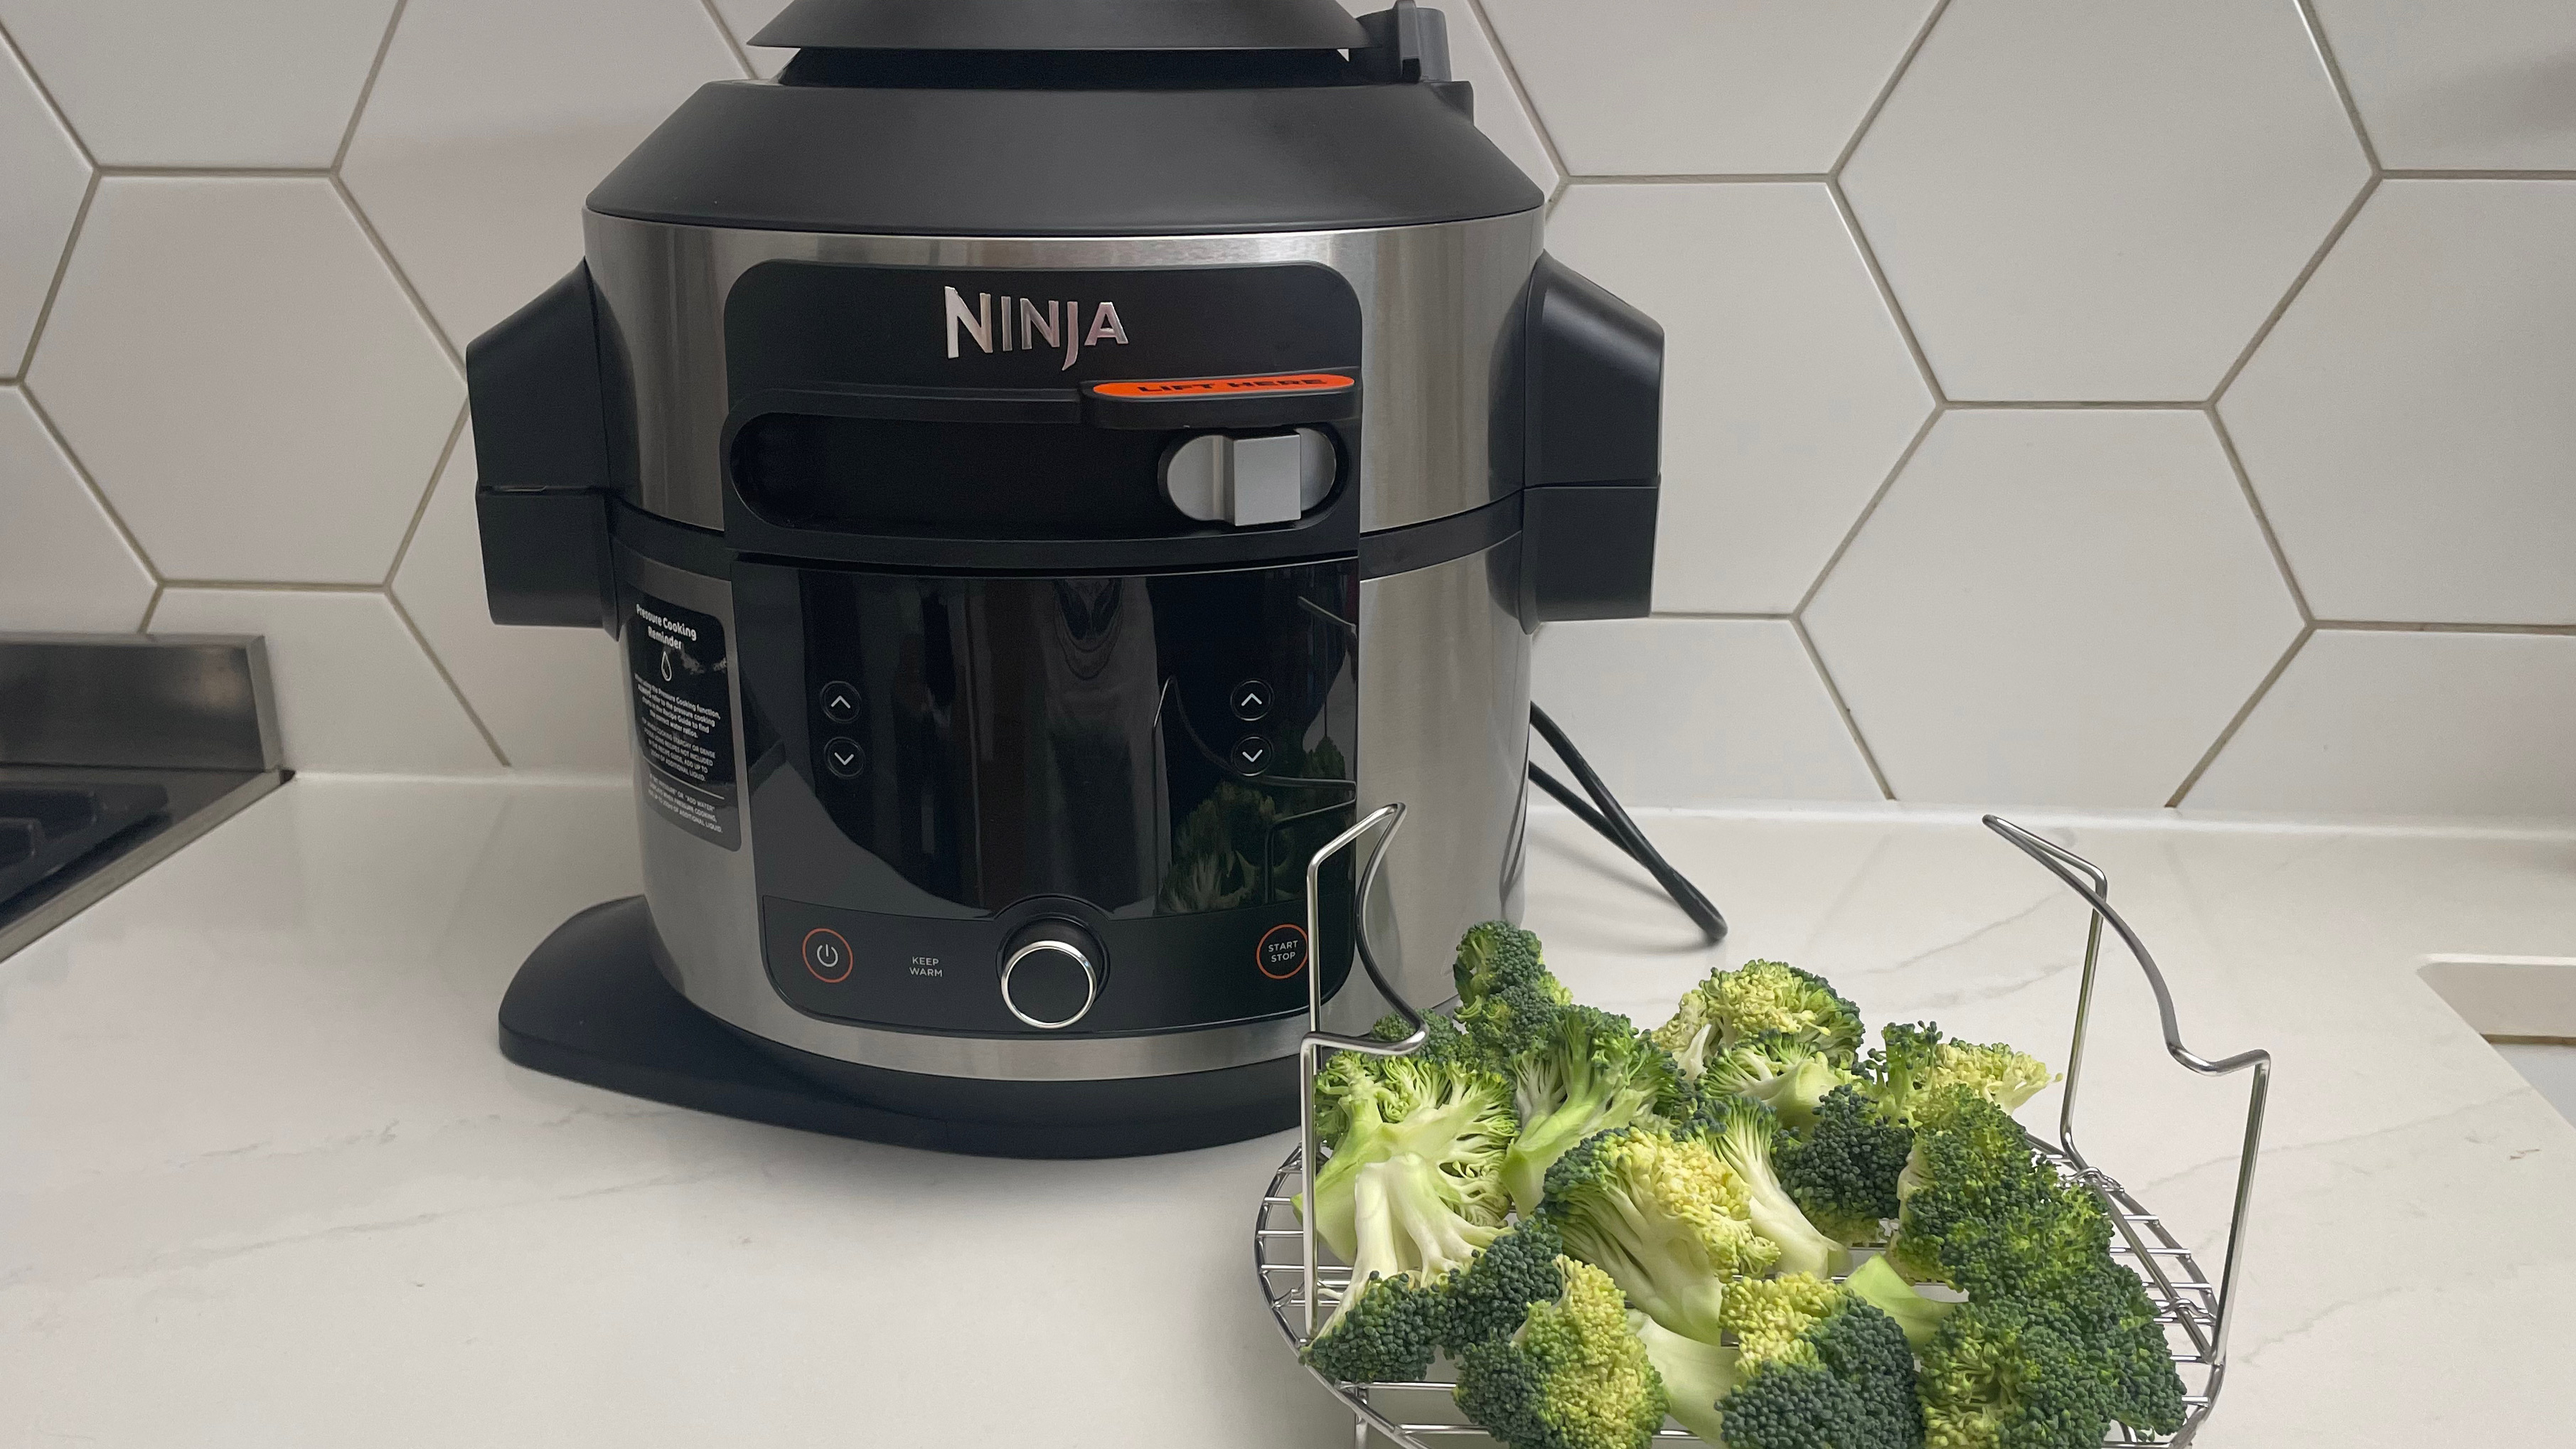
2091,405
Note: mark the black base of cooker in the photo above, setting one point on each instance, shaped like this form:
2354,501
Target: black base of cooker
591,1007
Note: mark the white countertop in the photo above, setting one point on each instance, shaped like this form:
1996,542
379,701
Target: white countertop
266,1181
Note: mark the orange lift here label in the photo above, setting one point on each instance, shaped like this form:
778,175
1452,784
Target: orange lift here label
1188,387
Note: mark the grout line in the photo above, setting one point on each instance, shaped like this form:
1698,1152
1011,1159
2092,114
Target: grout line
1714,178
2316,29
2298,284
2077,404
367,90
80,470
62,270
151,607
255,173
724,32
2262,520
272,586
1914,444
62,117
437,473
1851,722
2209,757
2465,173
2382,626
1878,103
490,741
402,278
1721,616
1521,92
1886,290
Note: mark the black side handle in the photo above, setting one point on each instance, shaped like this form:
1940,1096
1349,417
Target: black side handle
1593,374
541,454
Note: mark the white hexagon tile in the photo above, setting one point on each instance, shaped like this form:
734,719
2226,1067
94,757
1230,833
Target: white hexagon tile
1473,58
552,698
44,178
1698,711
62,563
2394,722
244,379
186,83
355,694
2061,607
2102,201
2409,423
491,120
1788,391
1704,87
2465,83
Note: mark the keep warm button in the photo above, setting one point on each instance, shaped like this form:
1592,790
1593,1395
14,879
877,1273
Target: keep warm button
827,955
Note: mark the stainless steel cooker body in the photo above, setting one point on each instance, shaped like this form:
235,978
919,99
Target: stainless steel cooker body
1443,629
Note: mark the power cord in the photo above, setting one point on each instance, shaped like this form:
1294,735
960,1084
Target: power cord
1603,813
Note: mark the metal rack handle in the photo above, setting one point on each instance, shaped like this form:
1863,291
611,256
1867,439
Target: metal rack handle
2095,888
1316,1038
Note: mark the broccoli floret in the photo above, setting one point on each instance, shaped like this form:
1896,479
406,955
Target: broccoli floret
1819,1366
1591,1072
1665,1218
1915,1063
1570,1377
1843,1170
1742,1136
1488,1298
1384,1332
1696,1375
2058,1333
1887,1290
1787,1073
1439,1109
1760,997
1506,995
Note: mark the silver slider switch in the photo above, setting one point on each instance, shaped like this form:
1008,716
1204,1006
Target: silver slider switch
1273,478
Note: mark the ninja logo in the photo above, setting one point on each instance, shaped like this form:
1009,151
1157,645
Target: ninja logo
1025,323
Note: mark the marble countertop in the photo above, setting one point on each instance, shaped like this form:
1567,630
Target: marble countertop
265,1179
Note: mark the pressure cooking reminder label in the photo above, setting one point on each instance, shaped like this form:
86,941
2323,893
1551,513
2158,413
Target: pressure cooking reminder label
675,661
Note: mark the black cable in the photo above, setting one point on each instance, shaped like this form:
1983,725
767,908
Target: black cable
1615,826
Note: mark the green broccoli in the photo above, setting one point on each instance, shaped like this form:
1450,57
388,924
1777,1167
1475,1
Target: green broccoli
1696,1375
2056,1336
1665,1218
1589,1072
1383,1332
1887,1290
1785,1072
1571,1376
1818,1366
1757,998
1506,995
1441,1109
1488,1298
1915,1063
1843,1170
1742,1135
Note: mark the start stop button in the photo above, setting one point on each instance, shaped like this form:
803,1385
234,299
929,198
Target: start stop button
1282,952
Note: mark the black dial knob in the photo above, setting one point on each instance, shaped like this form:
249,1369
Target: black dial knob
1051,974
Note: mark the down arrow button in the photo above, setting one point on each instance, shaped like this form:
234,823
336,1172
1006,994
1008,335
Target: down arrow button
844,757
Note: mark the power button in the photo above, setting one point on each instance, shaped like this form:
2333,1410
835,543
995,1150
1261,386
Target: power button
827,955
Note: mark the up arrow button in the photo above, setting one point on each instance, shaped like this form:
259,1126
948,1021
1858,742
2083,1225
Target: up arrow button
1249,700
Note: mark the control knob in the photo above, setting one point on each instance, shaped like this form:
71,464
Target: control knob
1051,973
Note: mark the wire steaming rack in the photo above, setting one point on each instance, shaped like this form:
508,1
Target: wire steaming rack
1302,1289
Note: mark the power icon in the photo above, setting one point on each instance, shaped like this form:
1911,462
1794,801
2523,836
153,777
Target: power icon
827,955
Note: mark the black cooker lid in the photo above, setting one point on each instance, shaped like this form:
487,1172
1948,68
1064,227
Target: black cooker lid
1077,118
1074,25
